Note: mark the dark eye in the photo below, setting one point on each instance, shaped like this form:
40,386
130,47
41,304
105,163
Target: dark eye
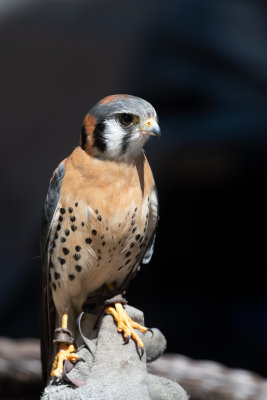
126,119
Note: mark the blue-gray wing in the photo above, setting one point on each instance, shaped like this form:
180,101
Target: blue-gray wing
47,305
50,205
152,226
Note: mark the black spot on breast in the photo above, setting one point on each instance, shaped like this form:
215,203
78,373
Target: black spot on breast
99,257
99,218
56,275
141,245
133,215
147,216
119,225
132,245
76,256
99,139
60,218
82,223
71,277
62,210
77,248
54,286
107,228
61,260
109,261
67,232
73,228
127,262
52,265
72,218
120,268
65,250
63,239
144,230
94,232
135,209
103,243
102,237
76,204
114,248
128,254
133,222
70,209
141,239
134,229
137,237
78,268
96,211
88,240
58,227
56,236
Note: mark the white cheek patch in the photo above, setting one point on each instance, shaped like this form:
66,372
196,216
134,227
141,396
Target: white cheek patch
114,135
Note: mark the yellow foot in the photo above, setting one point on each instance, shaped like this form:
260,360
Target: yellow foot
125,323
65,352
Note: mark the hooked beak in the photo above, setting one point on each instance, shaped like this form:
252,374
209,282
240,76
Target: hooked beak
151,128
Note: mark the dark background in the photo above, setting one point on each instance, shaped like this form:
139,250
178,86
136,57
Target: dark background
203,65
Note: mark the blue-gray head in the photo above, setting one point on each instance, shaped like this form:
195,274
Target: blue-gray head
118,126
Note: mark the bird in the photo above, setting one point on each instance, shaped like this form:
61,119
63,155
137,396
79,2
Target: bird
99,225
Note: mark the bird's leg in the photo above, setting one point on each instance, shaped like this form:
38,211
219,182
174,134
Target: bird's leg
66,348
125,323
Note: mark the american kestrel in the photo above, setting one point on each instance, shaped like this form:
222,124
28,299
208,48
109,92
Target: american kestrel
99,222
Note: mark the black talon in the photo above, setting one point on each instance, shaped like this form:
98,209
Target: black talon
126,339
141,351
151,331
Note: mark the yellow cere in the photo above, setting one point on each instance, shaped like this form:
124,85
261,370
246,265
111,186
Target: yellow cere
148,123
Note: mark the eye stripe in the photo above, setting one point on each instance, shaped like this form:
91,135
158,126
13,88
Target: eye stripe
125,142
99,138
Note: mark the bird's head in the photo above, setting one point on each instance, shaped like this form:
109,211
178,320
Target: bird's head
118,126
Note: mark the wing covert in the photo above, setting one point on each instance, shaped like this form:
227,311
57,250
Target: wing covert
154,210
51,202
47,305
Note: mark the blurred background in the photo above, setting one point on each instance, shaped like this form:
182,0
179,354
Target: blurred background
203,65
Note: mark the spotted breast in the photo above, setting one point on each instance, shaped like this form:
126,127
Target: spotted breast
101,226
